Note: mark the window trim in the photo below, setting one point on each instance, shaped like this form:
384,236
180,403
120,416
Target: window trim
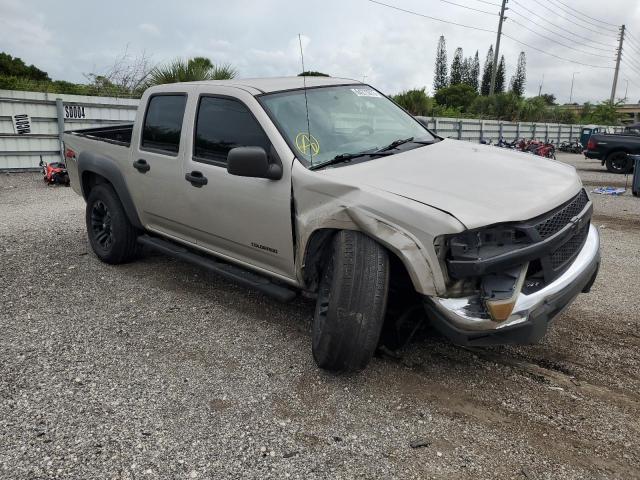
161,151
220,163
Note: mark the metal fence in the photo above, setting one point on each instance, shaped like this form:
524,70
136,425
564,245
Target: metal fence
473,130
31,123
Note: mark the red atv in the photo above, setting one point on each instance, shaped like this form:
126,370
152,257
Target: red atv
55,173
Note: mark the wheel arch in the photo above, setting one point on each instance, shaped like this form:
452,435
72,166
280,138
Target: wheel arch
96,169
404,254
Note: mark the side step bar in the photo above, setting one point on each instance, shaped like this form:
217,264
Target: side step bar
226,270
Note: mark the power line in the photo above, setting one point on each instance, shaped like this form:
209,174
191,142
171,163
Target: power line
560,27
489,31
632,48
575,18
630,40
631,67
581,26
431,18
559,43
554,55
552,2
468,8
632,36
585,15
556,33
629,61
489,3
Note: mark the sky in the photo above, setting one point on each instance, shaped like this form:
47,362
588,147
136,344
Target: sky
390,49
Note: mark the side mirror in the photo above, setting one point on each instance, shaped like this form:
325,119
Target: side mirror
252,162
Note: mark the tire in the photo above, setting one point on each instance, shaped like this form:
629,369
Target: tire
351,304
619,162
111,235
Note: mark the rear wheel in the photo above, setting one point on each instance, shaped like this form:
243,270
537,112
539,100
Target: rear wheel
619,162
111,235
352,301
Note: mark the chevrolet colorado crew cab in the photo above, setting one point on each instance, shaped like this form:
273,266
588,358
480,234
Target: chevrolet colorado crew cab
327,187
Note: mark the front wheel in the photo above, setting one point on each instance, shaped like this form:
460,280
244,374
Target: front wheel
352,301
619,162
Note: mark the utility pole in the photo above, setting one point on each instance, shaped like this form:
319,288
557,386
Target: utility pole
540,87
572,79
615,75
496,55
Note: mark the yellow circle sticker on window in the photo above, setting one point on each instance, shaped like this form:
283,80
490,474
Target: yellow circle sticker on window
307,144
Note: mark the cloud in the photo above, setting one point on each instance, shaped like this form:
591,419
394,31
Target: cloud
393,49
149,28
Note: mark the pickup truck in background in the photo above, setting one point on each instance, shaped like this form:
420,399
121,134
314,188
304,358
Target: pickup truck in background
325,186
613,150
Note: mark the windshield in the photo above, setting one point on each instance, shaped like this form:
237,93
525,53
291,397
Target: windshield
343,120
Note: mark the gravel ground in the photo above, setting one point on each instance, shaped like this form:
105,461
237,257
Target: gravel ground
157,369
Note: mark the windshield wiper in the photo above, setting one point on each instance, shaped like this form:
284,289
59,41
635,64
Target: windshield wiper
345,157
402,141
394,144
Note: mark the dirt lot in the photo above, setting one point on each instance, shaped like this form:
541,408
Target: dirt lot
157,369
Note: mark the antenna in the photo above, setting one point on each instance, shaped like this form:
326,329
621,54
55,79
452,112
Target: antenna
306,103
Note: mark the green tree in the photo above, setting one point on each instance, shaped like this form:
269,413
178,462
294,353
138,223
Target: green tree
191,70
440,77
311,73
500,76
416,102
501,106
533,109
519,79
549,98
457,70
15,67
201,62
485,86
605,113
474,72
456,96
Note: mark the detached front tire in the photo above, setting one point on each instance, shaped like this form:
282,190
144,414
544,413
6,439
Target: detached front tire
111,235
352,301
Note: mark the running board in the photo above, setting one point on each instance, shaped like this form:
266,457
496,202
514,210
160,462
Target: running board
226,270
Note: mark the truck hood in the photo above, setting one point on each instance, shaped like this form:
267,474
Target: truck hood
478,184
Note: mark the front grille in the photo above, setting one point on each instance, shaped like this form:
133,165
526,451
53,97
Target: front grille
568,250
559,219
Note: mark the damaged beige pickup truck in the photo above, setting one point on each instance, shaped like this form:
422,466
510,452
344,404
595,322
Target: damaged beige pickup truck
333,190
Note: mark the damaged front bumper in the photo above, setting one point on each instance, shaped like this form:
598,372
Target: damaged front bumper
465,324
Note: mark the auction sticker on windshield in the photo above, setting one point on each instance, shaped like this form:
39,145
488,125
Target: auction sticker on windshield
307,143
366,92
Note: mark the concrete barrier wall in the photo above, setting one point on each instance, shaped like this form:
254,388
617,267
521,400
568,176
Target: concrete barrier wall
472,130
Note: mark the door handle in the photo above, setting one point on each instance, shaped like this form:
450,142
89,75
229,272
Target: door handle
141,165
196,179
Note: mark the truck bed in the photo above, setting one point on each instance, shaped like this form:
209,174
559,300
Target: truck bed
117,134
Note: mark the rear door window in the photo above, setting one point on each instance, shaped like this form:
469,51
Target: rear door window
223,124
163,123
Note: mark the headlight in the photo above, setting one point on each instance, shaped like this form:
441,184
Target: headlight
486,242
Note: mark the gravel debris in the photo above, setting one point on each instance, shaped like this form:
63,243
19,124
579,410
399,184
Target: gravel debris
160,370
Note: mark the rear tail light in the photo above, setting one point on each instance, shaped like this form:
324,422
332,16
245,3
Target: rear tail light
592,144
68,153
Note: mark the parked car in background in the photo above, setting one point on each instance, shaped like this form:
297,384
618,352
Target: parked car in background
329,188
613,149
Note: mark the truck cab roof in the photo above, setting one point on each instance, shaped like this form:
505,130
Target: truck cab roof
258,86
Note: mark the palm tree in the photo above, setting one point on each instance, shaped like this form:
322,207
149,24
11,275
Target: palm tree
191,70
